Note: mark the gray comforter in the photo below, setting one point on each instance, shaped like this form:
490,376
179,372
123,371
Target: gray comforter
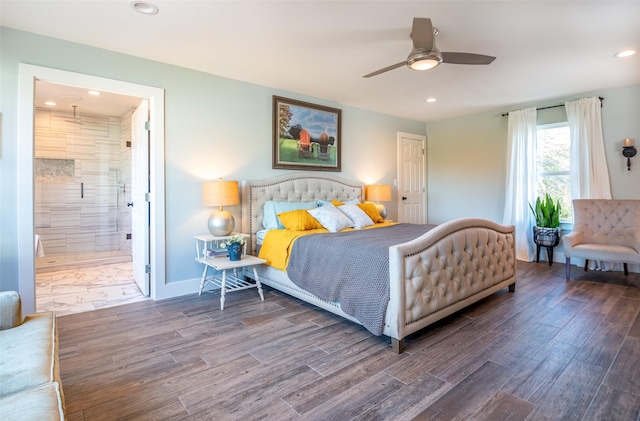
351,268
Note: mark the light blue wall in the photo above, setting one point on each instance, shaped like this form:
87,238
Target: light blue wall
221,127
215,127
467,155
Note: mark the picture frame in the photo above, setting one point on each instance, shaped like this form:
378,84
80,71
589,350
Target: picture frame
306,136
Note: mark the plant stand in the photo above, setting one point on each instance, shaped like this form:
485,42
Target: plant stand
546,237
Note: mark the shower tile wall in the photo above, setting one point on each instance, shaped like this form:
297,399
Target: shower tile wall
124,185
68,220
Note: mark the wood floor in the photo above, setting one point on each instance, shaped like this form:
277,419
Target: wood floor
553,350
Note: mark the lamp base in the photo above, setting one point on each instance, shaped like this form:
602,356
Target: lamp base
221,223
381,210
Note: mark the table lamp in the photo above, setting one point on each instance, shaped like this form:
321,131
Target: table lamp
220,193
378,193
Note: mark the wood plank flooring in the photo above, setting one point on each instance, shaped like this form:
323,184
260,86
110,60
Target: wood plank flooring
553,350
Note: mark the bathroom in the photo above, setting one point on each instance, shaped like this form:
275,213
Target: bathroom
82,179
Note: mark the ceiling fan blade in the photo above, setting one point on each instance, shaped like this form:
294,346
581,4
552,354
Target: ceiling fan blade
422,34
466,58
386,69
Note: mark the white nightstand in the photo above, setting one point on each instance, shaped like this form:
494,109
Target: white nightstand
227,282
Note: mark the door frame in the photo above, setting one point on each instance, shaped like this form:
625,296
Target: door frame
28,74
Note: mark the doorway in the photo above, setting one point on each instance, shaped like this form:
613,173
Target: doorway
28,76
83,183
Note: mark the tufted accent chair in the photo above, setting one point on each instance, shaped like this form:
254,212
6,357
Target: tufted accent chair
607,230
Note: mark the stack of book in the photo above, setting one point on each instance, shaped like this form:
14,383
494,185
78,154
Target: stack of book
221,252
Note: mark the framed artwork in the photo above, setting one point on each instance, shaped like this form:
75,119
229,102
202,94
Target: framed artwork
306,136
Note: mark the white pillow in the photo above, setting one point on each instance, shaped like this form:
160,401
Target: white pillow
331,218
358,216
271,210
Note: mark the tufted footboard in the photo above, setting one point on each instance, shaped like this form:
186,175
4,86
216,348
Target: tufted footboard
448,268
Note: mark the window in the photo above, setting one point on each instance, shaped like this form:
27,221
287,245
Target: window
553,165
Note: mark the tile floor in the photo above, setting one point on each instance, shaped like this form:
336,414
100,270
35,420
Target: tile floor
78,289
56,262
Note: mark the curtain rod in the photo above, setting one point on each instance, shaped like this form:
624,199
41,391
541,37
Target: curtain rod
556,106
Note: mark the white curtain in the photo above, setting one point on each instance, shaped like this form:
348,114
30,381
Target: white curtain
521,179
589,171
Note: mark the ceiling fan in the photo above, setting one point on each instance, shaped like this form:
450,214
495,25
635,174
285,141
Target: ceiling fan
425,55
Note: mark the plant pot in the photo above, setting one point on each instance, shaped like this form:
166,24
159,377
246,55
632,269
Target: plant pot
546,237
235,251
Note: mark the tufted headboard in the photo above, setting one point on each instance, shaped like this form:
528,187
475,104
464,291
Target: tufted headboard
293,187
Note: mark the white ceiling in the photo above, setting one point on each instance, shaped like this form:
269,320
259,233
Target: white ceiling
66,97
544,49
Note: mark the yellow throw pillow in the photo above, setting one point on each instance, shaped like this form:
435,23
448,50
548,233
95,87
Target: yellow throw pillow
299,220
371,211
336,202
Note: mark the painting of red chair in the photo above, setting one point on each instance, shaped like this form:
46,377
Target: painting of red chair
305,136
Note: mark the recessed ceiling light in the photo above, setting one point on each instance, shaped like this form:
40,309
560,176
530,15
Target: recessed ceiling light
625,53
96,93
50,103
144,7
431,100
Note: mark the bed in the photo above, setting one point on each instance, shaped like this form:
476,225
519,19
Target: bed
451,266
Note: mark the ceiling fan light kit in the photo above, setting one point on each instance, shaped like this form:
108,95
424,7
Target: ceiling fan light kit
424,61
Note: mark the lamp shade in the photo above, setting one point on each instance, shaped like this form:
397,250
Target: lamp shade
378,193
220,193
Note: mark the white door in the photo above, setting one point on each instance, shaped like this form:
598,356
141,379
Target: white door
412,191
139,190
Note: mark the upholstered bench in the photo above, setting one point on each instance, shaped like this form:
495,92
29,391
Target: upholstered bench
30,387
606,230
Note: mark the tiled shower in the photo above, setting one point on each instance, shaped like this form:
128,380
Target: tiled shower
82,186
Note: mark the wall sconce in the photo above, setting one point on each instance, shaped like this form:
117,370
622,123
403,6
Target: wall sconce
220,193
378,193
628,151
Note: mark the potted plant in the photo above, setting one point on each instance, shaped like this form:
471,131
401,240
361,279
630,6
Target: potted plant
234,245
546,232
